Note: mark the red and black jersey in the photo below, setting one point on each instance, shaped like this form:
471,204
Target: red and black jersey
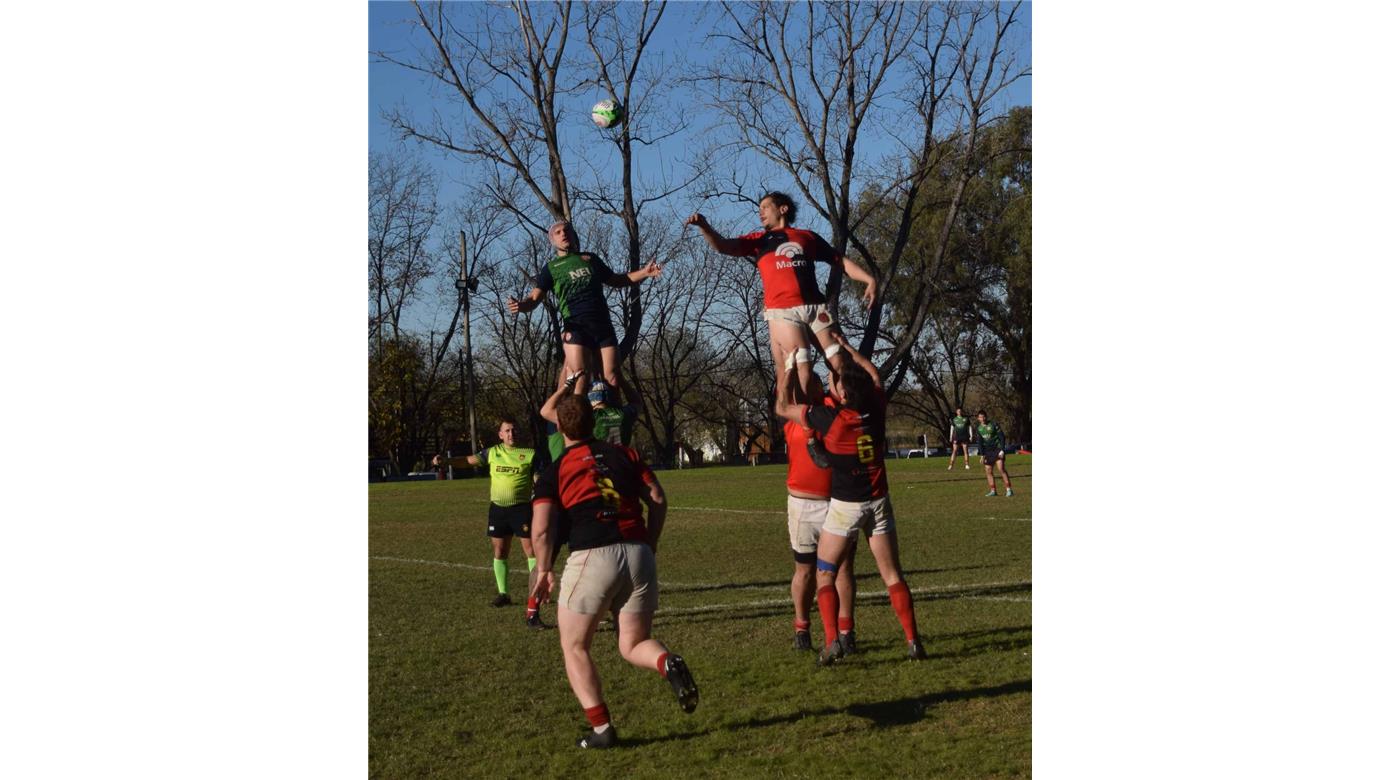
856,443
786,259
598,486
804,475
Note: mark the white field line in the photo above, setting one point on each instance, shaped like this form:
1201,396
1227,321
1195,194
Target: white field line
749,604
778,512
524,573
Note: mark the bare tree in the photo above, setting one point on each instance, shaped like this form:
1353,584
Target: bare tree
819,74
403,212
483,53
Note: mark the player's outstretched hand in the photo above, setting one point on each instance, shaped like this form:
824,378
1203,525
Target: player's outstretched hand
869,295
513,305
544,584
697,219
652,269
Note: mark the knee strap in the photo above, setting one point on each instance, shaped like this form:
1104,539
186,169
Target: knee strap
826,566
807,558
802,355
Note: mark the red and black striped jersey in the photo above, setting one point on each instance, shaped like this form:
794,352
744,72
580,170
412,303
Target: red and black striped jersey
804,475
856,442
786,261
598,488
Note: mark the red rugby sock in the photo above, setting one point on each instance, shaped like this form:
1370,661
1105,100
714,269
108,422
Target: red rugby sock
801,625
845,624
597,716
661,663
532,605
828,604
903,605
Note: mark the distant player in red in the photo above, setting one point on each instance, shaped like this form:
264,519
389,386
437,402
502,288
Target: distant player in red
809,491
597,490
853,433
793,303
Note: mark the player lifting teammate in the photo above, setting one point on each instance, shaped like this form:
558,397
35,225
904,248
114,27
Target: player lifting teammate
853,432
597,489
792,301
809,491
576,279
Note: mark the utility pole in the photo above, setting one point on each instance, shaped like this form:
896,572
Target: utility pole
466,285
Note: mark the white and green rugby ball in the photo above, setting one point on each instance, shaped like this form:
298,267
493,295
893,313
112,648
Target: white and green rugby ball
607,113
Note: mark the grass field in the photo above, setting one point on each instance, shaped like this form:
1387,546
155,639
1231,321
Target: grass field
458,689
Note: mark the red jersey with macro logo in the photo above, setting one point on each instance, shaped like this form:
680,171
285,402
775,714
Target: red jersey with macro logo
786,260
856,443
804,475
597,487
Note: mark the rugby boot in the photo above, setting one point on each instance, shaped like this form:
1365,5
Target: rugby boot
916,650
678,675
593,739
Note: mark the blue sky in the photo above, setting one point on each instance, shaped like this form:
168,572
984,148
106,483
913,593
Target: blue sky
682,31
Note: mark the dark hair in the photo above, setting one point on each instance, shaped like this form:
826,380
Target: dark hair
981,413
508,418
783,199
857,386
576,417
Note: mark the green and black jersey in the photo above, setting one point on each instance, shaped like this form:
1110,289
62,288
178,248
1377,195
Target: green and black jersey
959,429
990,438
577,283
613,424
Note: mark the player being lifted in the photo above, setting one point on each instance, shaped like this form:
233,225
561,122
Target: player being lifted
576,279
853,432
597,491
792,301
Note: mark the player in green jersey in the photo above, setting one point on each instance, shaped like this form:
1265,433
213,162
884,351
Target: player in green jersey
577,280
512,471
992,444
612,423
959,434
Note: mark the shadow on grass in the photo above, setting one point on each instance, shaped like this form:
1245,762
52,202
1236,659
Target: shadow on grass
981,477
788,581
866,599
881,714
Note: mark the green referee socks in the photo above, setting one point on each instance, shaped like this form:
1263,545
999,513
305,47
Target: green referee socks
531,563
500,567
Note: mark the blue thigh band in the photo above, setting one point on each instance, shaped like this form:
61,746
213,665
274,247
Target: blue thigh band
825,566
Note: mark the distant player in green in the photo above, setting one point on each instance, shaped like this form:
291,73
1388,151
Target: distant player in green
512,471
577,279
992,444
959,434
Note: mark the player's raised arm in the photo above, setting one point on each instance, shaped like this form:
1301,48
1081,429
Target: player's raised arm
530,302
725,246
650,270
863,276
861,360
788,405
550,410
